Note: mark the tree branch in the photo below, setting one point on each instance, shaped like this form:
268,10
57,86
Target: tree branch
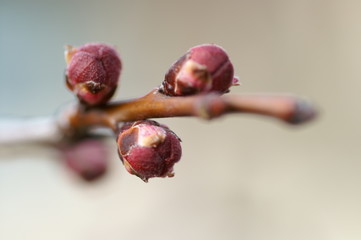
290,109
78,120
42,130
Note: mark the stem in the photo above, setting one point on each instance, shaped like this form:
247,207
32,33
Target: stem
40,130
78,120
290,109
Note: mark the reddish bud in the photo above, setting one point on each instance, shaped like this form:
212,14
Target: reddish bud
87,158
92,72
204,68
148,149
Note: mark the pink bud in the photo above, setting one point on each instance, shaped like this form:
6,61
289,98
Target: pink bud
148,149
93,72
87,158
204,68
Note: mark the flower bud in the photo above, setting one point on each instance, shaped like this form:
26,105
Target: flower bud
204,68
92,72
87,158
148,149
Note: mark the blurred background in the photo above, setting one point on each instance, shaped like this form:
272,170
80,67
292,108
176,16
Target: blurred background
241,176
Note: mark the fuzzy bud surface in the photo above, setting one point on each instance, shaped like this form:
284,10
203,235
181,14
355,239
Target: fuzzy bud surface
92,72
148,149
204,68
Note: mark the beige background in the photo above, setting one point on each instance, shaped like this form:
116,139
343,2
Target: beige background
241,176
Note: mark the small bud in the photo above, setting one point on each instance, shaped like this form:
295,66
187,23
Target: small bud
92,72
204,68
87,158
148,149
